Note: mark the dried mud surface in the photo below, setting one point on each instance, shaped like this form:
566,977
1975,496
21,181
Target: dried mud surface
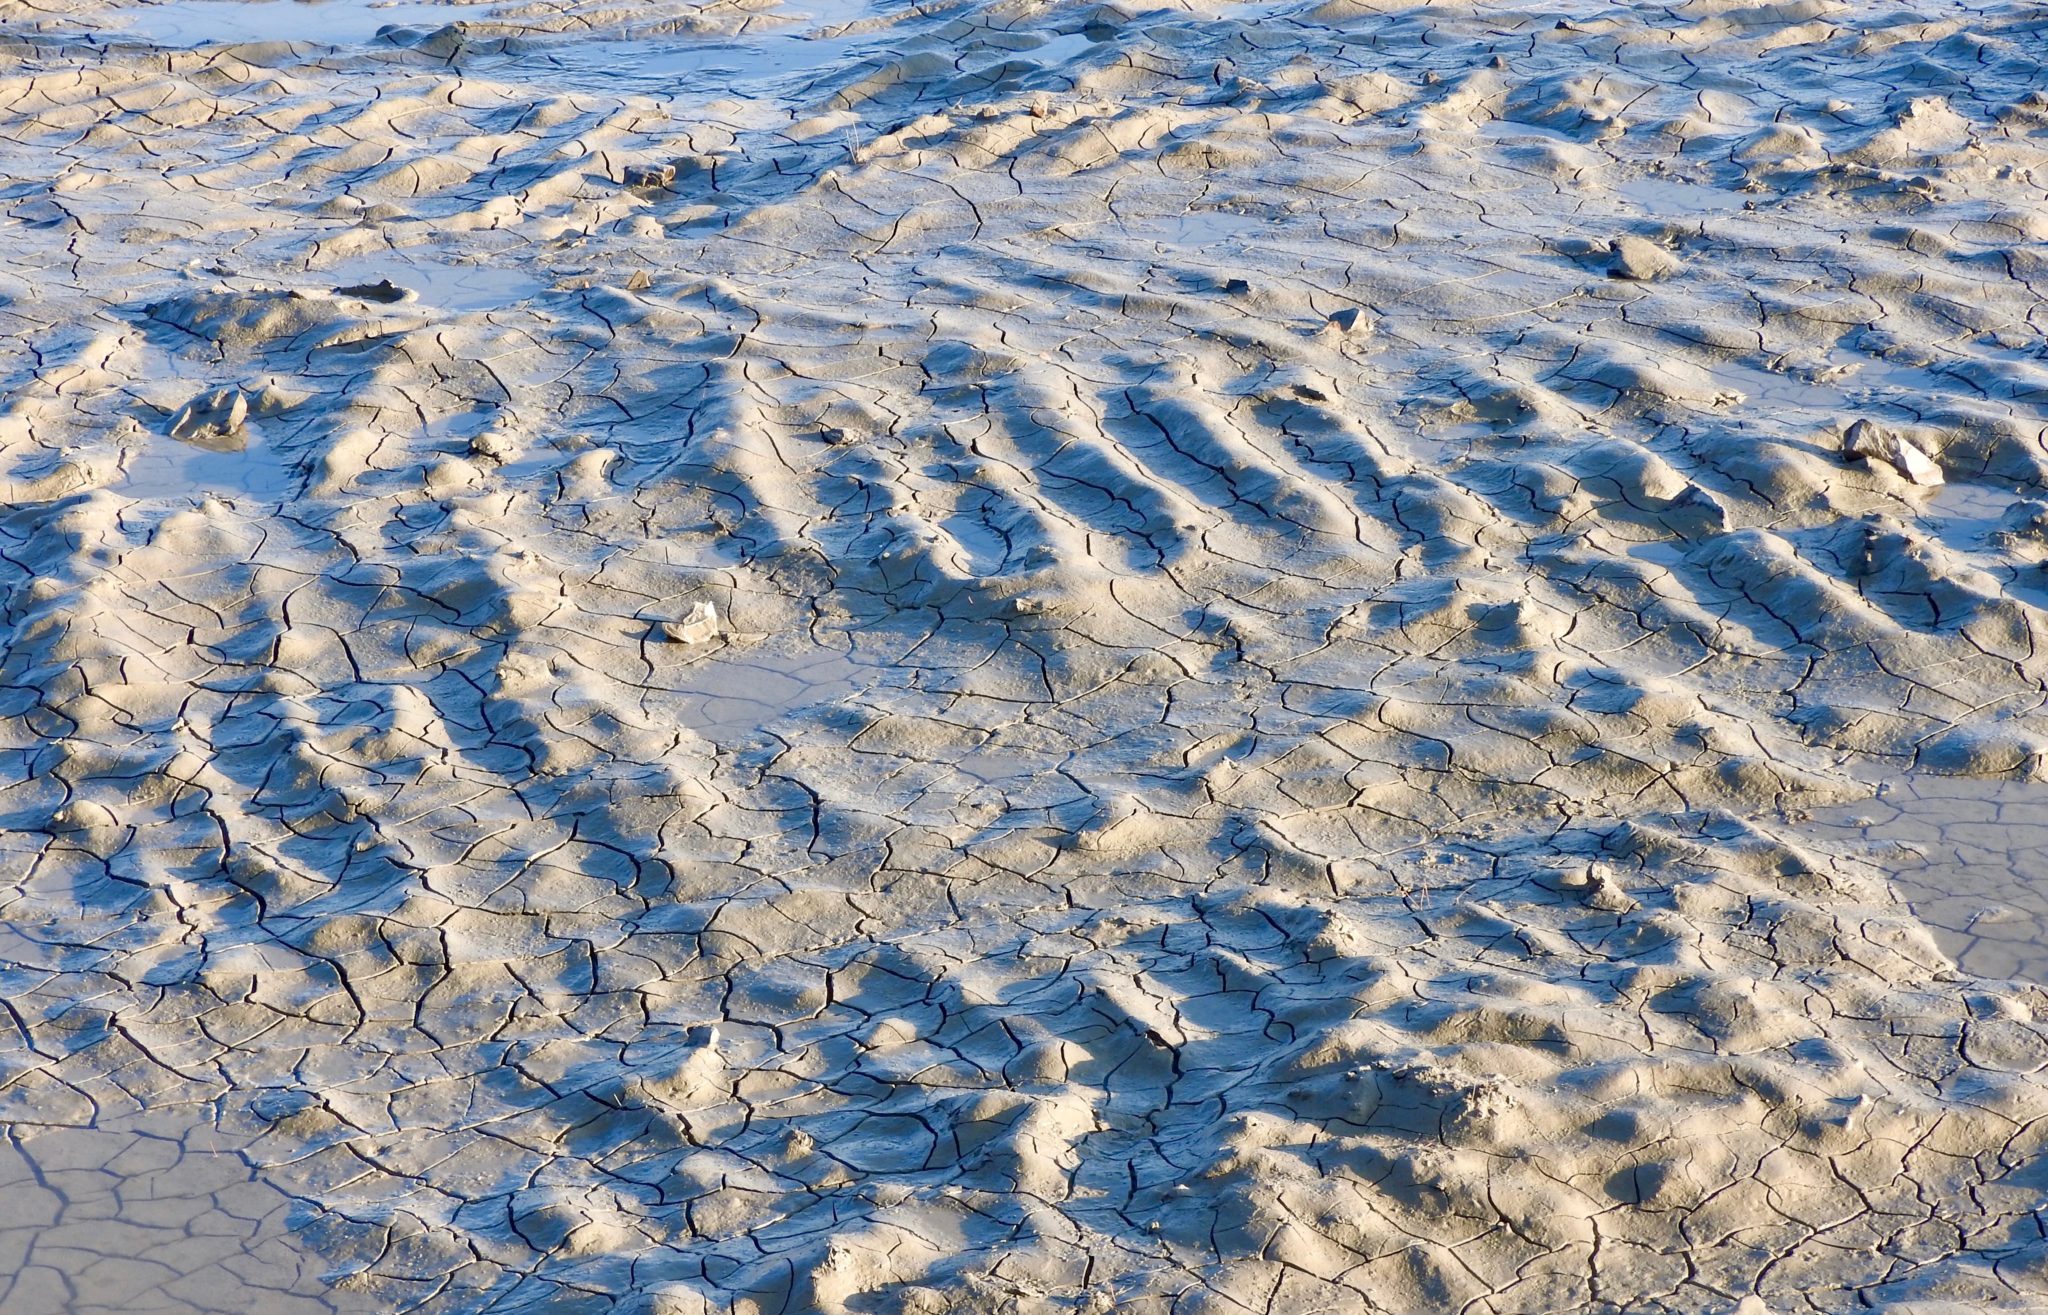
1313,655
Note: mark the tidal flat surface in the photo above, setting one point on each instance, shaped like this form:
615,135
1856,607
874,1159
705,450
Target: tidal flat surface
889,658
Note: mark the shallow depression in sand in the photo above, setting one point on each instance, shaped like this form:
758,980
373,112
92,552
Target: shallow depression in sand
1666,196
678,64
1965,515
170,468
429,279
190,23
738,690
800,39
1970,857
154,1213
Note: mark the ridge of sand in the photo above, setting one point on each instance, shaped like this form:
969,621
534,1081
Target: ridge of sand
1027,657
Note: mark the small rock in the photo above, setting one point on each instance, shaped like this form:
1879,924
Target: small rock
1350,322
1236,287
1641,260
649,175
1870,442
1598,888
639,281
2026,521
1604,893
492,445
211,415
383,290
275,1106
1696,511
700,626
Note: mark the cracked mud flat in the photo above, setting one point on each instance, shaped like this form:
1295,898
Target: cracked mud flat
1026,658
